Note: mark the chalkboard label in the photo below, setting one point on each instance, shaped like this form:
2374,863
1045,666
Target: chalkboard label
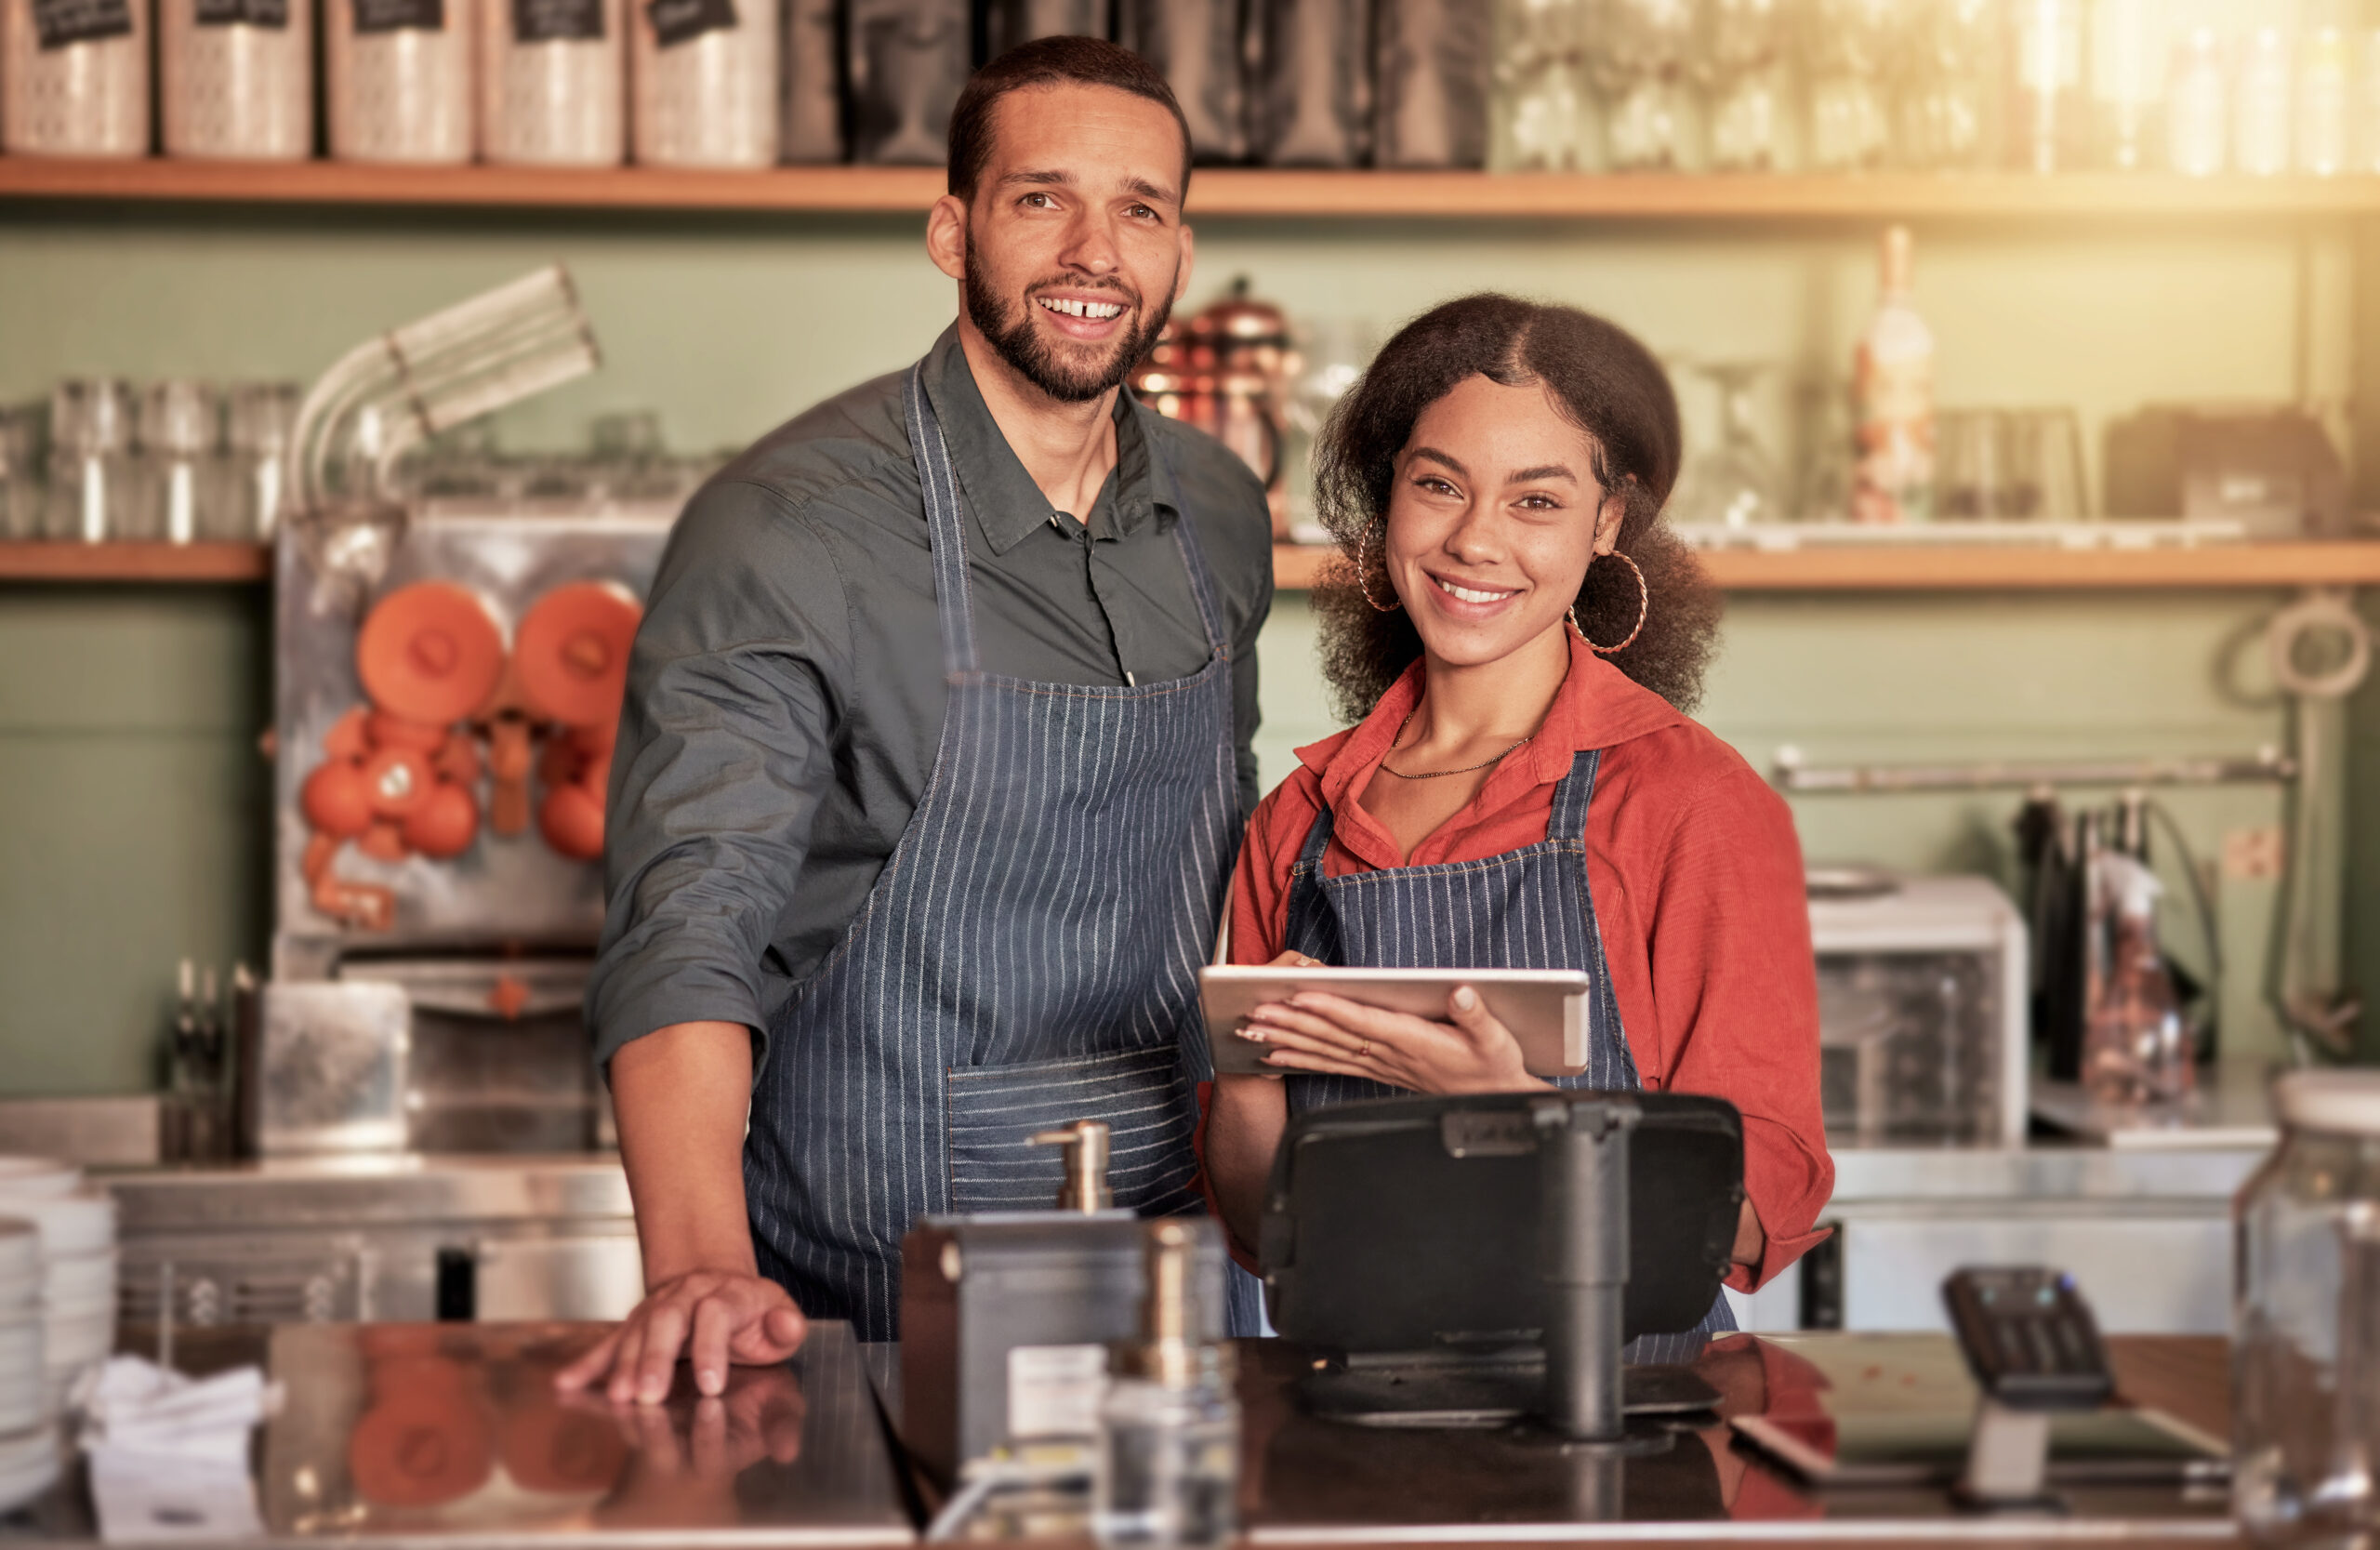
62,22
397,15
676,22
549,21
273,14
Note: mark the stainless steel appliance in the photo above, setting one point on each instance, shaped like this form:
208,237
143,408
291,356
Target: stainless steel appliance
1921,1009
425,993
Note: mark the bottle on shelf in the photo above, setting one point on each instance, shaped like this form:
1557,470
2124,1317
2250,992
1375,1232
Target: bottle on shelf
1892,384
2136,1046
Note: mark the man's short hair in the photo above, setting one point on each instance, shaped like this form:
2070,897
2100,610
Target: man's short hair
1047,62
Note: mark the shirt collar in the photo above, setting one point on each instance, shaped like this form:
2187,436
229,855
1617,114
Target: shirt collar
1007,504
1598,706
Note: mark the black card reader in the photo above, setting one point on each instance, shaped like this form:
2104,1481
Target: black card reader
2034,1348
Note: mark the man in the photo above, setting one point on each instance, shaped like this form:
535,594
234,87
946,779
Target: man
934,753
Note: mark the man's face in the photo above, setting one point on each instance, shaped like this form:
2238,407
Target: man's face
1075,250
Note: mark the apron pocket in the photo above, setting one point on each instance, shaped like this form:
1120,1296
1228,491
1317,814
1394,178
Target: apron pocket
1143,1095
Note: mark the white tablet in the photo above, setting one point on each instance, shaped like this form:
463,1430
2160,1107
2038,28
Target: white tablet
1546,1009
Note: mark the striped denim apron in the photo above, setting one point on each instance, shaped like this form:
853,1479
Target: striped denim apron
1528,909
1028,955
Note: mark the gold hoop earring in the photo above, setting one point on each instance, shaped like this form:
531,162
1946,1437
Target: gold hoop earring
1643,610
1364,571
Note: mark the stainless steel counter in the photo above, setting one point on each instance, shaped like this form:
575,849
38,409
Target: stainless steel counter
450,1437
389,1237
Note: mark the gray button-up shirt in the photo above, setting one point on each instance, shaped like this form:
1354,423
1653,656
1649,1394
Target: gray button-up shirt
786,695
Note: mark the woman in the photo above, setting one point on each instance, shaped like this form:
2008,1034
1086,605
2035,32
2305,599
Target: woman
1521,639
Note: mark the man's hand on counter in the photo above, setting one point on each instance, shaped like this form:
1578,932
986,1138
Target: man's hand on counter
681,1094
715,1318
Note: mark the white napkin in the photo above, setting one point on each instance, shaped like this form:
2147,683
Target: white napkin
169,1454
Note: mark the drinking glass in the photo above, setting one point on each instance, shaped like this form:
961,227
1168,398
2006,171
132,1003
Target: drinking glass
2198,105
258,419
181,483
19,471
2046,465
1739,64
2264,103
1971,477
91,460
2128,57
1638,51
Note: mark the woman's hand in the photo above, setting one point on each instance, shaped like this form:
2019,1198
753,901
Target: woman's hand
1471,1052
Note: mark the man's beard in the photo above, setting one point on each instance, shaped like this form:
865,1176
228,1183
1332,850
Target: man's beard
1013,335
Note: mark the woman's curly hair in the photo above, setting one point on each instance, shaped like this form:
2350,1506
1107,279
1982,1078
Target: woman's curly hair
1603,382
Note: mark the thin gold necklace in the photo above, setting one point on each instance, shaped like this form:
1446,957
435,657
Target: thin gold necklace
1432,774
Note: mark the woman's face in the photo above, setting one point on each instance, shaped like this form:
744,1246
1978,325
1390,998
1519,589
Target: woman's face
1493,516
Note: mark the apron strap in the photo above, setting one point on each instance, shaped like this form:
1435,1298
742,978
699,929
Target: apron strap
1571,794
1202,589
946,526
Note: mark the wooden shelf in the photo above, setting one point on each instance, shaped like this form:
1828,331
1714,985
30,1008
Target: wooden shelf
1993,567
1295,566
135,561
1216,191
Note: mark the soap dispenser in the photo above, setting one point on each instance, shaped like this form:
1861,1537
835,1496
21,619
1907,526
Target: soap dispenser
1167,1470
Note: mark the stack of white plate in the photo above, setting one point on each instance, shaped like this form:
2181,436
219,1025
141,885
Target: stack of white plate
28,1437
76,1225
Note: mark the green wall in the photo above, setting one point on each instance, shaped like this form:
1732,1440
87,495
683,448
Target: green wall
131,832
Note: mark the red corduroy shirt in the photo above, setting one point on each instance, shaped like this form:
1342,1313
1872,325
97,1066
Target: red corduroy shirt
1699,892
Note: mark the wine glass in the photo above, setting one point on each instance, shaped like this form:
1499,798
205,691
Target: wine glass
1846,53
1742,49
1950,63
1540,96
1736,483
1638,51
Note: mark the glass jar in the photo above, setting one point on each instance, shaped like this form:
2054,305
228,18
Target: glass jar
553,88
705,75
257,421
2306,1343
237,78
19,471
400,79
180,472
91,460
74,77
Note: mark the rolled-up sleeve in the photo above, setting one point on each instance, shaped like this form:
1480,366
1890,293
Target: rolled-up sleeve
724,752
1738,991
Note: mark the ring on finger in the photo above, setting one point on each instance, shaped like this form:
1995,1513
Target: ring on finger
1366,1053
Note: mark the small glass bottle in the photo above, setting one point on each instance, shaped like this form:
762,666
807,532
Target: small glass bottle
1167,1471
2306,1336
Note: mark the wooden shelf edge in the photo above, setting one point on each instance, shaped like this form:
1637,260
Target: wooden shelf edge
1215,191
1974,568
135,561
